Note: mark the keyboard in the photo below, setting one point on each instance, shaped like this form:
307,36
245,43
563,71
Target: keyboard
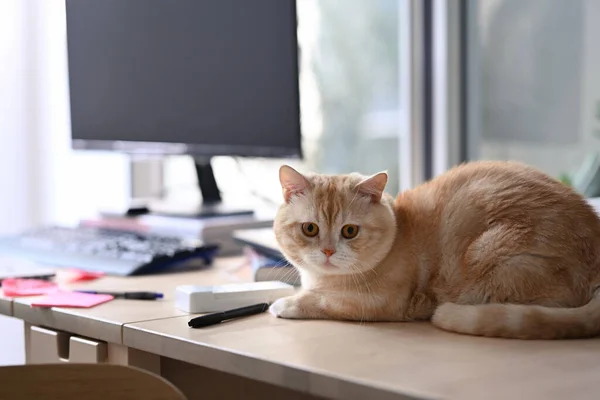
111,251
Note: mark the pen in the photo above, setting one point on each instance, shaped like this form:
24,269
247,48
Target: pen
128,295
217,318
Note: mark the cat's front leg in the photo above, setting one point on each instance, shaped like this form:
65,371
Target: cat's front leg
304,305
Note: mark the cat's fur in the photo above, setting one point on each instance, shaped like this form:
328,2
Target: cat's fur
489,248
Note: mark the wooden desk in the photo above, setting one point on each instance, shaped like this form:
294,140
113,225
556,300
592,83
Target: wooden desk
378,361
105,322
6,305
262,357
97,332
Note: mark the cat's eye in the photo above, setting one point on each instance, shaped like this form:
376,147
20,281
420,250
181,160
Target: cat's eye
349,231
310,229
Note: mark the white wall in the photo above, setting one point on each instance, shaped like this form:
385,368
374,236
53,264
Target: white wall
14,166
15,213
41,180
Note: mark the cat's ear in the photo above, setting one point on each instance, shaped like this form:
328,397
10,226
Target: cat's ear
292,182
373,186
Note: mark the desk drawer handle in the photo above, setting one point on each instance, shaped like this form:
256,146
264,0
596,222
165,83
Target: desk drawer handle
47,346
86,351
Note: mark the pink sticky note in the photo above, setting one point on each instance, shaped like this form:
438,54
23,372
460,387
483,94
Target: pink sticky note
27,287
71,300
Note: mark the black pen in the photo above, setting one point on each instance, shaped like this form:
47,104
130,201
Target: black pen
128,295
217,318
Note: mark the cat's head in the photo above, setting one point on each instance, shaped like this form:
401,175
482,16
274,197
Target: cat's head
334,224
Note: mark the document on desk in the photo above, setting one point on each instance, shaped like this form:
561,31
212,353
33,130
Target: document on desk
14,267
71,300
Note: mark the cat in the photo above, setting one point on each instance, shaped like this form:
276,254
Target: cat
488,248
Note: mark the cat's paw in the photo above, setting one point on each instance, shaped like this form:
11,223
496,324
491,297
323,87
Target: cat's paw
286,307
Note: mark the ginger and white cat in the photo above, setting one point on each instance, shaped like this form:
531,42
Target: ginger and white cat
489,248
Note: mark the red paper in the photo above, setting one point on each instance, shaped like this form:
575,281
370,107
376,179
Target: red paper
27,287
71,300
77,275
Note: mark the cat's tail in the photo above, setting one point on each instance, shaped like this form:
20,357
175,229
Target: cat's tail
514,321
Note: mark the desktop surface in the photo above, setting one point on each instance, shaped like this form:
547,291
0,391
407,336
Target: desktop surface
105,321
330,359
350,360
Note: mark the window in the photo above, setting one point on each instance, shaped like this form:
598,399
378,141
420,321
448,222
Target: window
349,85
538,88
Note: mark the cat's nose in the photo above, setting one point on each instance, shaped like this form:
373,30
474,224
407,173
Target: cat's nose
328,252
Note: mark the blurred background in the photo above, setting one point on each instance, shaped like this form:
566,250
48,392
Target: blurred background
411,87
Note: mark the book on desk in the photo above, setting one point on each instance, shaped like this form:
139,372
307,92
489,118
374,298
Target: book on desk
266,260
218,231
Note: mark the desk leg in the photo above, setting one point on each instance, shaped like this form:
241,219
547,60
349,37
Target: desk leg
123,355
27,333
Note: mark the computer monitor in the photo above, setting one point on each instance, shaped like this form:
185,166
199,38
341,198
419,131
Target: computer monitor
197,77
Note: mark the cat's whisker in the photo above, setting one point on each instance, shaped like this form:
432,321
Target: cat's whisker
281,260
374,271
370,293
363,276
289,274
277,273
363,315
376,278
279,276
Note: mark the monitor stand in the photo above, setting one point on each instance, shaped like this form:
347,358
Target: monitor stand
212,205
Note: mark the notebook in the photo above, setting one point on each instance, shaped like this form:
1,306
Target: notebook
261,239
11,267
268,263
266,269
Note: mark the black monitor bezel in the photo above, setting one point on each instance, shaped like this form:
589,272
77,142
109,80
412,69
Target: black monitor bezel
196,150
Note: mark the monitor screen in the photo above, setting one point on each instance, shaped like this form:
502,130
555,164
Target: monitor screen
200,77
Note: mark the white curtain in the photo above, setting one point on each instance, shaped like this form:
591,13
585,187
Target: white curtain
41,180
